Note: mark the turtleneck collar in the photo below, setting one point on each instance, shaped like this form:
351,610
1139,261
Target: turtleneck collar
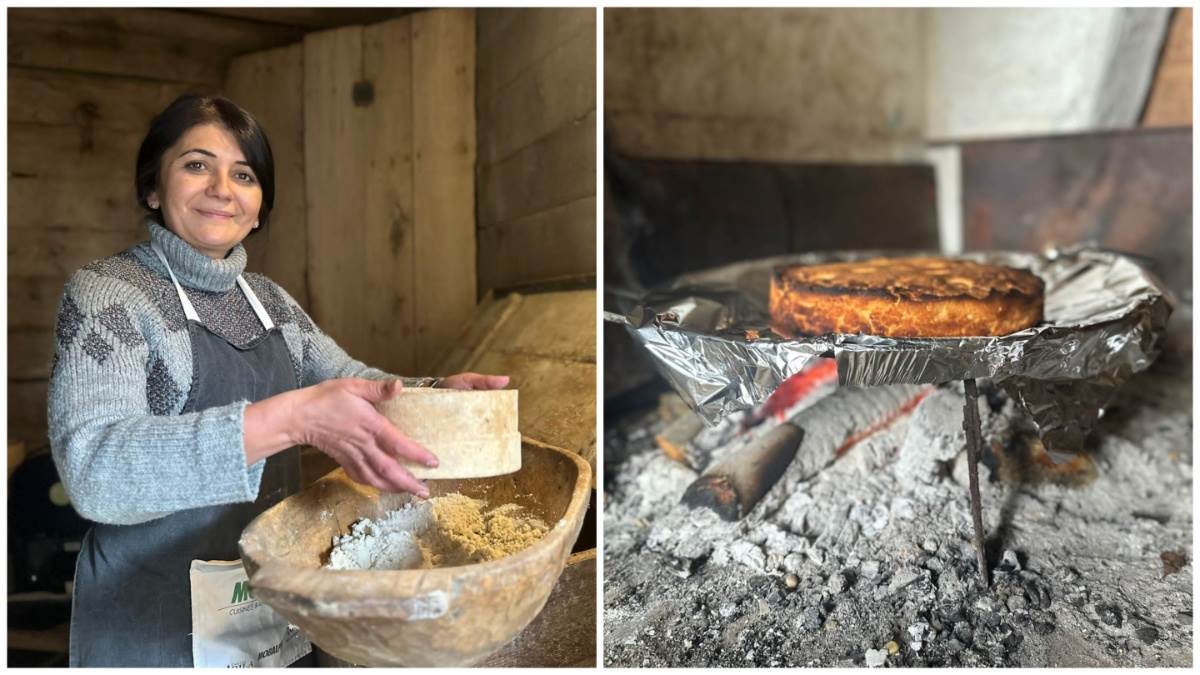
193,268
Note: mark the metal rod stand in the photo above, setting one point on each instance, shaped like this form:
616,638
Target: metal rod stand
974,449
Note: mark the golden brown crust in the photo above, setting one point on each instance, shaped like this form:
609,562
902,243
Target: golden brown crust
904,297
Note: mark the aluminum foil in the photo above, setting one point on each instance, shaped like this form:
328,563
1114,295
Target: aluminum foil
1105,316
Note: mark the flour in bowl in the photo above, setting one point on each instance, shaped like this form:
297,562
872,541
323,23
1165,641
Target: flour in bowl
444,531
387,544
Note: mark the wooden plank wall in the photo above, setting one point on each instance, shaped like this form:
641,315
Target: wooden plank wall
335,144
1170,103
537,145
270,84
83,84
444,143
380,246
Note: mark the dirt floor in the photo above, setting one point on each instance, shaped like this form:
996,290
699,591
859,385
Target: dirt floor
869,560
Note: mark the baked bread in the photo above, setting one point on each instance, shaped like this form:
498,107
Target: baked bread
904,297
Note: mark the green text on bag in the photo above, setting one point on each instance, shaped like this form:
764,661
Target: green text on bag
241,592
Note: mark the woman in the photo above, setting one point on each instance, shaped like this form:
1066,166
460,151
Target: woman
181,388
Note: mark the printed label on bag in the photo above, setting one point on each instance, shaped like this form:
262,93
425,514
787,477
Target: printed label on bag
230,629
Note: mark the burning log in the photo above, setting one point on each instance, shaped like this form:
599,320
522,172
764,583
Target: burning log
828,428
811,384
733,486
808,403
677,440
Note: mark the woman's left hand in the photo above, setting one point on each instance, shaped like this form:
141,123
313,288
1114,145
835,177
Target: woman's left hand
473,381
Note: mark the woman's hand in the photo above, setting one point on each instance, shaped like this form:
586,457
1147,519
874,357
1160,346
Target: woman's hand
338,417
473,381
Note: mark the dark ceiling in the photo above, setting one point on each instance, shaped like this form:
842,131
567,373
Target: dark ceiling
307,18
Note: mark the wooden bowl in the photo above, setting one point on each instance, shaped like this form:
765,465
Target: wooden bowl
473,433
447,616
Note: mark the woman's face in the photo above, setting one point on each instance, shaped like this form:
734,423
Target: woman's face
208,194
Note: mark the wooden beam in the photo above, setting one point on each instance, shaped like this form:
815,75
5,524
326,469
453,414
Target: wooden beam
30,351
33,301
84,49
389,229
512,39
45,151
270,84
58,252
550,244
443,63
336,138
103,204
553,171
556,90
536,83
308,18
202,29
89,100
359,149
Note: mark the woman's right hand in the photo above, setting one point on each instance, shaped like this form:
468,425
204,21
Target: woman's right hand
338,417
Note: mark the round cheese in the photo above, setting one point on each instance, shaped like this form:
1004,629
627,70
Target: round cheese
473,433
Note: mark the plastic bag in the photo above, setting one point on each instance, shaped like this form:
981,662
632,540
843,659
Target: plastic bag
230,629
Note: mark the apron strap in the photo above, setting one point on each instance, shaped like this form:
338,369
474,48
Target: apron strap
258,306
190,312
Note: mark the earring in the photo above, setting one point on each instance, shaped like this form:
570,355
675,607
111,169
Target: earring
153,205
255,225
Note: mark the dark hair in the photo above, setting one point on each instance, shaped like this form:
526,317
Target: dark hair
190,110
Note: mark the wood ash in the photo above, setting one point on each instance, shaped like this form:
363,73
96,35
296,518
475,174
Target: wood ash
868,560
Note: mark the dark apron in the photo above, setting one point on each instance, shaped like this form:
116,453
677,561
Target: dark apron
132,601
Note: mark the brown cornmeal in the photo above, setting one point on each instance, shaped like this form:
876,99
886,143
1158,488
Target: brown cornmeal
466,531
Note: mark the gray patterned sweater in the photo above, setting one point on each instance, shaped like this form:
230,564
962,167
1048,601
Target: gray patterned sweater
122,371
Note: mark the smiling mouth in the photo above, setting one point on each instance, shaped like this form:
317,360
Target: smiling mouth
215,214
